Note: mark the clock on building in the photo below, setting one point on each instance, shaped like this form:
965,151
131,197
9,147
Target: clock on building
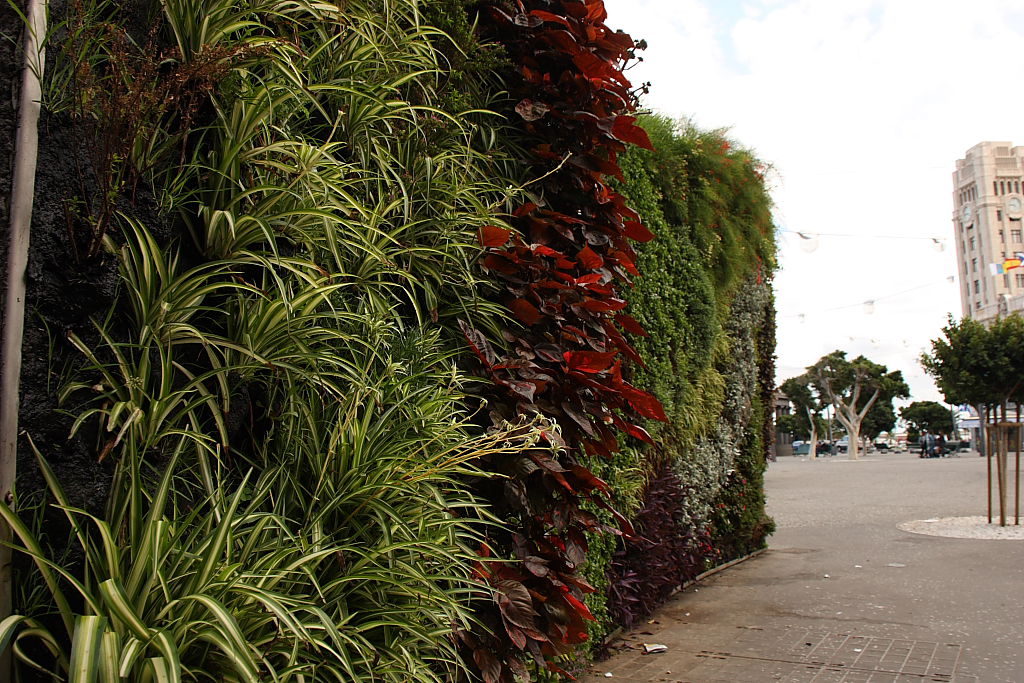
1014,207
965,213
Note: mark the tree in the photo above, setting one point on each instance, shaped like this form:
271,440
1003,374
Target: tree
965,363
853,388
881,418
806,407
978,365
792,425
982,366
927,416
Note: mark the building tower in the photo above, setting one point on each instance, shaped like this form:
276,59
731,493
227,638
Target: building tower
988,200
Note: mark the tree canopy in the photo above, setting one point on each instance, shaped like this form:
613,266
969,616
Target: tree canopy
927,416
881,418
979,365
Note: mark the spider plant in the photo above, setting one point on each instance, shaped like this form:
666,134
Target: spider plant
228,588
341,549
275,387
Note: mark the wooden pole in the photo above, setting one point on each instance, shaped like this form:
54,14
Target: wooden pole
1016,484
1016,472
988,464
1001,472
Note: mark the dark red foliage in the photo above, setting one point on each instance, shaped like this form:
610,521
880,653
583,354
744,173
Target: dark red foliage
560,276
661,556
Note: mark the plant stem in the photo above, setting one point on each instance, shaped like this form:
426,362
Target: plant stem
22,190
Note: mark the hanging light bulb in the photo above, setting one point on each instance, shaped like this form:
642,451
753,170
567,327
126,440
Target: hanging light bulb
938,244
808,242
951,279
869,307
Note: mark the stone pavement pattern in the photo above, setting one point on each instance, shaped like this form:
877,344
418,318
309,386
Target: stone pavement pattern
842,594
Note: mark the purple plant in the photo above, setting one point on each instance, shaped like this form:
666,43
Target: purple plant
664,553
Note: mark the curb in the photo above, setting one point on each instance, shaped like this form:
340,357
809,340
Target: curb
721,567
700,577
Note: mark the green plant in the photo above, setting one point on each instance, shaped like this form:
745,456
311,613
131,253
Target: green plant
705,303
275,388
368,581
229,586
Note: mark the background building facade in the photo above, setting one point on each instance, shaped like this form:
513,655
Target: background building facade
988,201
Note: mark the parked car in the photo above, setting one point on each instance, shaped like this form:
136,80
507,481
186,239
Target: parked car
843,444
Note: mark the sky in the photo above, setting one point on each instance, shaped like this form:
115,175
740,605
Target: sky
861,108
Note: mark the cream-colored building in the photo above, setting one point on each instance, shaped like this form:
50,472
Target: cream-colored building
988,200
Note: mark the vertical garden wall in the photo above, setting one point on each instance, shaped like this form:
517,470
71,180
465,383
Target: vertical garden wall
375,340
706,303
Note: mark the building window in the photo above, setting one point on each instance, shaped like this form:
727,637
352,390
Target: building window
1002,237
999,215
977,305
1019,279
977,287
1015,235
1006,280
971,243
974,265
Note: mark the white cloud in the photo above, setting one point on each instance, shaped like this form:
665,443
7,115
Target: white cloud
862,107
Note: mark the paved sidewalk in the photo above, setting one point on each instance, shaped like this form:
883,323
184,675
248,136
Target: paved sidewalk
842,594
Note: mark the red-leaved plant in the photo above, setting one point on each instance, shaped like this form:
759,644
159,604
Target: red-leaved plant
560,275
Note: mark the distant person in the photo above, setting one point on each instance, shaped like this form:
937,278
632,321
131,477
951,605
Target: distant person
927,444
940,446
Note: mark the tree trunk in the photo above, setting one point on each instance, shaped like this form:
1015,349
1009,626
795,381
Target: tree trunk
852,433
854,439
812,452
981,444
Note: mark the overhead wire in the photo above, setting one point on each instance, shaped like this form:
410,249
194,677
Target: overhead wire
872,300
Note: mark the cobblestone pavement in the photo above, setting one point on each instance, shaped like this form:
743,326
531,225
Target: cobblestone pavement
842,594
